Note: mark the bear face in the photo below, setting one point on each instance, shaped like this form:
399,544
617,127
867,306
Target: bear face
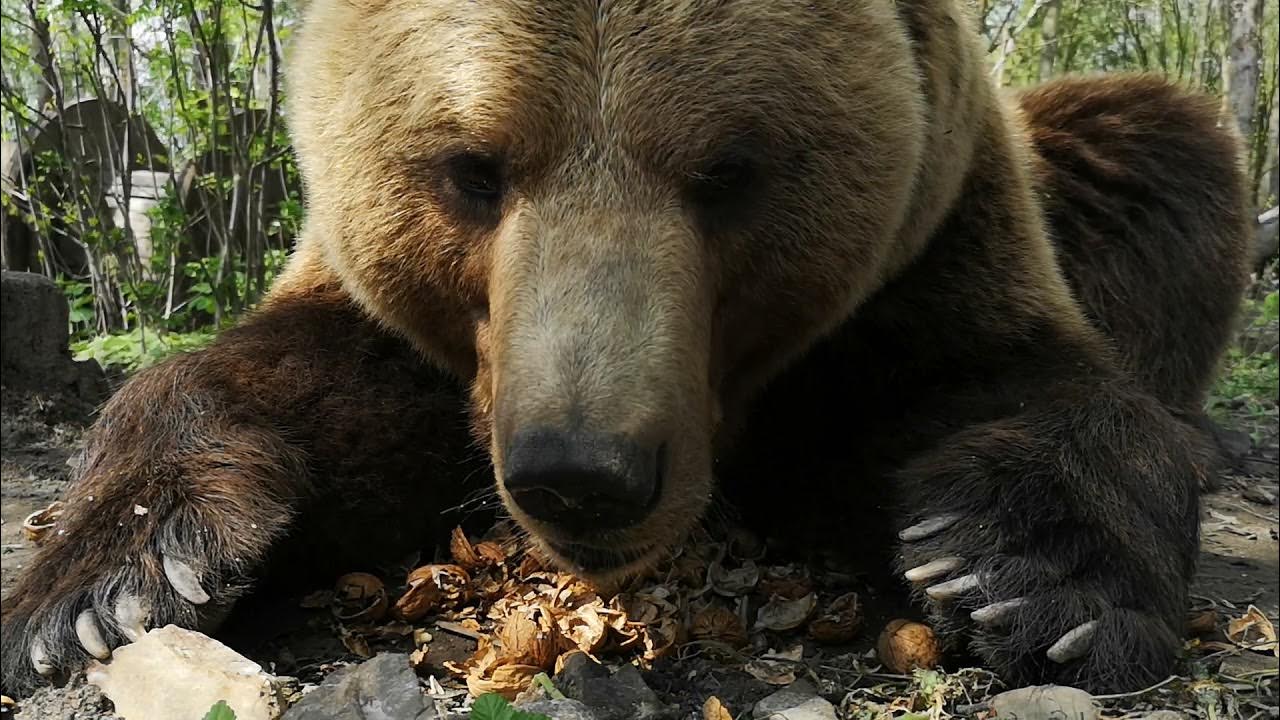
615,220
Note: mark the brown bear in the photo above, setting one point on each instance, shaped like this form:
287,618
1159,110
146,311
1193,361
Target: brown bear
606,251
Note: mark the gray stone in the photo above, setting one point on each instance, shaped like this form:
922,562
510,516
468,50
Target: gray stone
560,709
34,352
383,688
1045,702
621,695
797,701
77,700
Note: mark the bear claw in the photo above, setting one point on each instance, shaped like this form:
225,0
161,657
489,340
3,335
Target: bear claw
933,570
90,635
132,615
997,613
928,527
952,588
40,658
1074,644
185,580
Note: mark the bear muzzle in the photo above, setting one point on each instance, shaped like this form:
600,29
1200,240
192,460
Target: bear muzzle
583,483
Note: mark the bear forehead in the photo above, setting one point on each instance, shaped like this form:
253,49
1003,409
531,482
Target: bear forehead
671,82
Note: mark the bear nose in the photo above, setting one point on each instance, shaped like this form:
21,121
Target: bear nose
583,482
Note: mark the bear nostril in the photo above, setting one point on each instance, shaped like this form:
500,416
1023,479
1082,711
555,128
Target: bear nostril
582,482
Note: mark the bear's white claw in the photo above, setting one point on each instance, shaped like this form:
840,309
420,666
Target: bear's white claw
131,616
40,658
997,613
952,588
1074,644
934,570
90,635
185,580
928,527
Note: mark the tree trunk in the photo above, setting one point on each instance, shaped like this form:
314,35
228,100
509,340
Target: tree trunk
1244,65
42,56
1271,188
1049,39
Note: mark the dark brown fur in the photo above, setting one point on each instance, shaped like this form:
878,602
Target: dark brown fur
966,381
1139,183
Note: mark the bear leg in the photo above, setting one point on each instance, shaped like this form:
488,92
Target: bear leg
306,436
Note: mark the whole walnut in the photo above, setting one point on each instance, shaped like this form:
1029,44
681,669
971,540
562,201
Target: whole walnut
905,645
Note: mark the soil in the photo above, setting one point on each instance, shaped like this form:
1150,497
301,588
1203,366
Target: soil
1238,568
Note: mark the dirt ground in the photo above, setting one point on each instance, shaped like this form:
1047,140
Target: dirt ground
1238,568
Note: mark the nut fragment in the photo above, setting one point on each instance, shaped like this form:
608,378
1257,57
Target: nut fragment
433,588
786,582
777,668
462,551
839,622
732,583
905,645
359,598
720,624
418,659
491,552
1255,631
690,570
780,614
505,680
531,563
475,556
523,640
713,709
36,526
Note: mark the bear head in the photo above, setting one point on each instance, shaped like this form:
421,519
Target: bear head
614,219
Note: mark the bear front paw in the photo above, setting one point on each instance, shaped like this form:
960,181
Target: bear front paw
1046,614
172,541
130,613
85,595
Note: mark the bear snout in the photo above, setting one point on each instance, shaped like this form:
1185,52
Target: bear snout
582,483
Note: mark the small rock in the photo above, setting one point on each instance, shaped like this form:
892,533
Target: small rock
1233,443
1044,702
560,709
77,699
382,688
621,695
798,701
175,673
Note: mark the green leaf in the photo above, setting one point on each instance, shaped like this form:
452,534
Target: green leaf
496,707
220,711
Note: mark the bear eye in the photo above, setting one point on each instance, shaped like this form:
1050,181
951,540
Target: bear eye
476,177
723,182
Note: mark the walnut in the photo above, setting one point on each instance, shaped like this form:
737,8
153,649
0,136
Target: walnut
905,645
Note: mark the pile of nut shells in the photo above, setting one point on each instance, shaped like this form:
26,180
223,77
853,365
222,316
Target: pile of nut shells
526,617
